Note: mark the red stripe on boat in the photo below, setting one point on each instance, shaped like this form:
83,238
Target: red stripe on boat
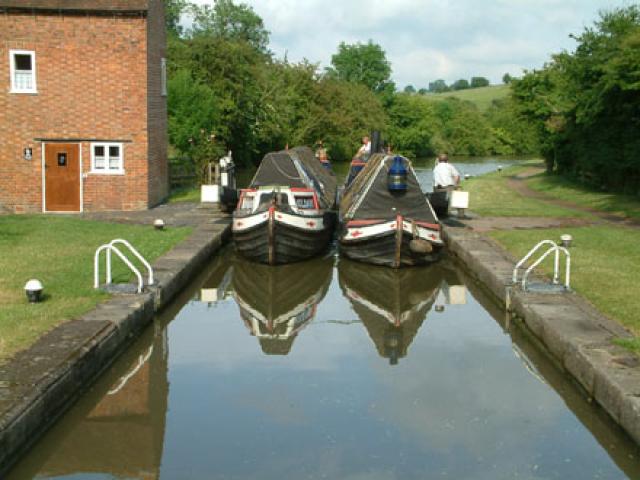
360,223
432,226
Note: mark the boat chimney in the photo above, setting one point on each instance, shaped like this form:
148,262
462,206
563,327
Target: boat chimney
376,142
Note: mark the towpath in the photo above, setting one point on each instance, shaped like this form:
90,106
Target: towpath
519,185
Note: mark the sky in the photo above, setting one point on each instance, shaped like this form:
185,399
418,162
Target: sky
425,40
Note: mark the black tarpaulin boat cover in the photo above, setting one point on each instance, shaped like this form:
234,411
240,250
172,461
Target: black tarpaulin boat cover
368,197
299,168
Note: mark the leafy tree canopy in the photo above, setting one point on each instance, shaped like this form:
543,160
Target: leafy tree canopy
172,14
364,63
461,84
231,21
477,82
585,104
438,86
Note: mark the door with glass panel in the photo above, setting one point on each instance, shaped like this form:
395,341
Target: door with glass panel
62,177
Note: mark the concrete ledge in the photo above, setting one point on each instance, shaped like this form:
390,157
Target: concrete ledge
578,337
39,384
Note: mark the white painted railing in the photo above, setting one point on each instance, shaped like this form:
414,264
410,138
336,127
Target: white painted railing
554,248
111,247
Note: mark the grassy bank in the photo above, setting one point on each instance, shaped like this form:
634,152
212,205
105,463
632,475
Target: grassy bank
605,265
605,258
482,97
566,190
59,252
185,194
490,196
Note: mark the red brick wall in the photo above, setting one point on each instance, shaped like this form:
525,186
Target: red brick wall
92,82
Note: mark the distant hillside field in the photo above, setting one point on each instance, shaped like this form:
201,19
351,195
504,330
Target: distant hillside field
481,97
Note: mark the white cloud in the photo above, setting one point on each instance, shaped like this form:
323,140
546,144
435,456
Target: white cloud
430,39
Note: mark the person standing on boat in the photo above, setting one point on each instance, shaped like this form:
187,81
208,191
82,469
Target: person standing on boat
365,150
445,175
321,154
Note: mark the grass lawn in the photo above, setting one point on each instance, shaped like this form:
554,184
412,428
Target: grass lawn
563,189
605,266
185,194
482,97
490,196
59,252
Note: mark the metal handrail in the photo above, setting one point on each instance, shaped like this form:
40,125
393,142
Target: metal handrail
553,248
137,255
111,246
514,277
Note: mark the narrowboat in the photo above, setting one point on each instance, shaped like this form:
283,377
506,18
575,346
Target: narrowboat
391,304
287,214
385,217
276,303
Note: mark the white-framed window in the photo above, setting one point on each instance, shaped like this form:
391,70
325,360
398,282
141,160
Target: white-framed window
23,71
163,77
107,158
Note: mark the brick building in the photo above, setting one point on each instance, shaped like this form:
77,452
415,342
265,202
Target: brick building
83,113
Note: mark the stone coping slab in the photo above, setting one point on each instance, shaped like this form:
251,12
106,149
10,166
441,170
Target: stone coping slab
39,384
578,336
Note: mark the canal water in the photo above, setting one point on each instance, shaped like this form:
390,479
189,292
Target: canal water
332,369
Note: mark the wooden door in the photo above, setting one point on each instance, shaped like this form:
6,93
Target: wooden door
62,177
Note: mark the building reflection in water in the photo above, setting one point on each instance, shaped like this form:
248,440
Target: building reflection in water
123,434
276,303
393,303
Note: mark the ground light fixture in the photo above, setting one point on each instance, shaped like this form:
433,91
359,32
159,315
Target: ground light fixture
566,240
158,224
33,289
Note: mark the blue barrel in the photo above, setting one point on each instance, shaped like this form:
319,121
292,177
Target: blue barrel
397,177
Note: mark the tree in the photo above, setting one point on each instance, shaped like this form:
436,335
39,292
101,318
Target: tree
413,124
409,89
461,84
362,63
172,14
423,91
507,79
231,22
586,104
194,118
438,86
228,68
346,111
477,82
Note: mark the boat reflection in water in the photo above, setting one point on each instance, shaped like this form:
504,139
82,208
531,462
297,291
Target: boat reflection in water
276,303
119,429
392,304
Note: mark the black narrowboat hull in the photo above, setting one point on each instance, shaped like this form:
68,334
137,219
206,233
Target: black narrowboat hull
391,247
275,238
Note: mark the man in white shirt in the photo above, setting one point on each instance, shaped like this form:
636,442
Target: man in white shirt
365,149
445,175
